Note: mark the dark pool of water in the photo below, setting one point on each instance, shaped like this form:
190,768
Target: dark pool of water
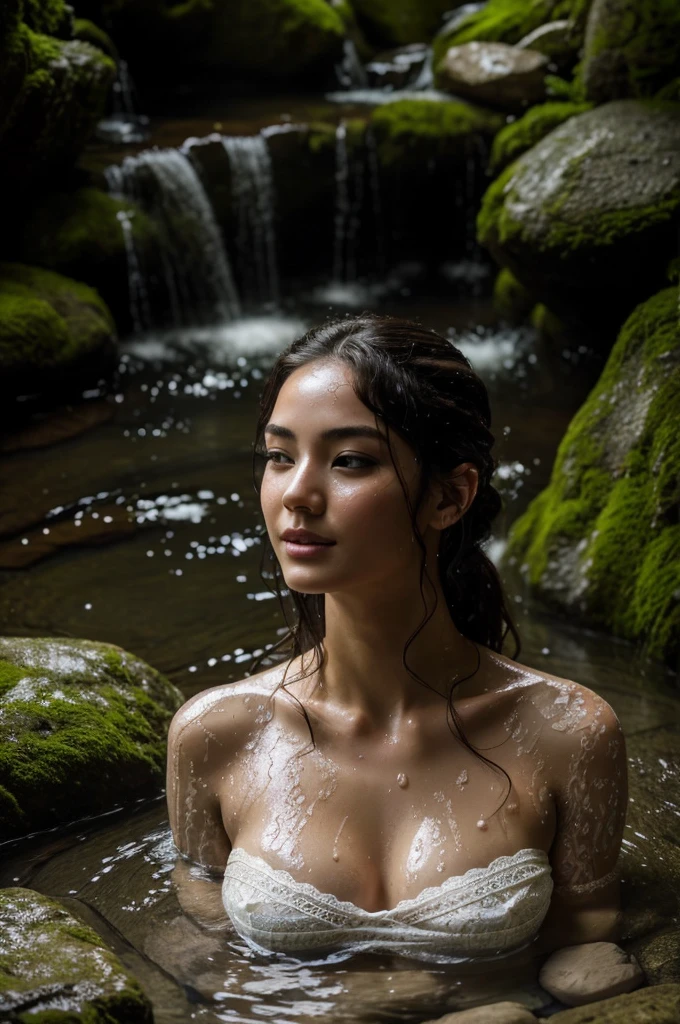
179,586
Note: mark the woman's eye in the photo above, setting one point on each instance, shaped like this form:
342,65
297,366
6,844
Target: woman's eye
278,458
354,462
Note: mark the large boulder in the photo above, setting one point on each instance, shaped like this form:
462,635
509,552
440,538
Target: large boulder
587,218
659,1004
509,21
397,22
502,76
602,541
54,968
80,234
516,138
55,334
632,48
52,93
272,39
82,728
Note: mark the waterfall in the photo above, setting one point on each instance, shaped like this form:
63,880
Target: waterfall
350,72
139,298
196,284
124,124
252,189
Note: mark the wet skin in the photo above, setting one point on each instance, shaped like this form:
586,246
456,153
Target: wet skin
389,802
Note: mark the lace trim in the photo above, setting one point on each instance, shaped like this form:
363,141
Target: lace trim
499,864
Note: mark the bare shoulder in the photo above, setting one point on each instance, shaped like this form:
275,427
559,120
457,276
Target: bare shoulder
223,716
565,709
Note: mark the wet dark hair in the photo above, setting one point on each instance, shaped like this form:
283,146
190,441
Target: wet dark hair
419,385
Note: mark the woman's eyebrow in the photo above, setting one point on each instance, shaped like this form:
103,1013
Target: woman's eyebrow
333,434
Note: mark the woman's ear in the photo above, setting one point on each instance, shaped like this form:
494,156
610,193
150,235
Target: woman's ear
456,492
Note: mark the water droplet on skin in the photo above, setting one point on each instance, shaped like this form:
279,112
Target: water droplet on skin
462,779
481,824
512,808
336,856
402,780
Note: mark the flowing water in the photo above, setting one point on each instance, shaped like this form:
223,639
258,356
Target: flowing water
158,551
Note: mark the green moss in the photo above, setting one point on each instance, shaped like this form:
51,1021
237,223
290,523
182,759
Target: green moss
511,299
87,32
56,970
632,48
516,138
670,93
415,128
49,16
608,519
508,21
397,22
83,726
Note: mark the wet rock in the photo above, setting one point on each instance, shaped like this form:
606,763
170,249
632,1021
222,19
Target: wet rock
595,970
632,48
587,217
56,335
108,525
659,957
53,93
82,729
51,428
88,32
512,300
52,966
492,1013
396,69
602,542
516,138
556,41
510,21
657,1005
79,234
501,76
400,21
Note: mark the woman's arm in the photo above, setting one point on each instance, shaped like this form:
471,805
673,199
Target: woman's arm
590,787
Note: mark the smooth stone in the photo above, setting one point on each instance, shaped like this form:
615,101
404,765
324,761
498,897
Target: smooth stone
657,1005
502,76
494,1013
582,974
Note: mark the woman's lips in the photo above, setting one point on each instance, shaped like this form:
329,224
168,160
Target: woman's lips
305,544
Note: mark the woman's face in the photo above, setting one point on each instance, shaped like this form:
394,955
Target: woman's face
332,500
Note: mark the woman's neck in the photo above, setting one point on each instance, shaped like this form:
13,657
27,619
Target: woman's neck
364,646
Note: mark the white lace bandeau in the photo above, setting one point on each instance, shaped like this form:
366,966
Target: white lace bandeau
484,912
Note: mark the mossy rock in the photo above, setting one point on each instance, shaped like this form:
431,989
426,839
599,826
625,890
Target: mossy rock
409,132
82,728
632,48
270,39
54,969
87,32
602,541
53,93
53,331
516,138
50,17
659,1004
398,22
587,217
79,234
511,300
508,21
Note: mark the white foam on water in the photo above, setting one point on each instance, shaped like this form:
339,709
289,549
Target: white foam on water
249,336
378,97
494,349
346,293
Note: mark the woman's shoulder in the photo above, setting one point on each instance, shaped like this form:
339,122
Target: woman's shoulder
564,706
225,714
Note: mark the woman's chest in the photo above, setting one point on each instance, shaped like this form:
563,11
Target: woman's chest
380,828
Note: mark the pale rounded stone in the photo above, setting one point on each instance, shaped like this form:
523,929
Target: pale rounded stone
494,73
493,1013
595,970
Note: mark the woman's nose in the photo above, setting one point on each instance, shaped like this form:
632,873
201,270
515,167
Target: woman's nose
304,490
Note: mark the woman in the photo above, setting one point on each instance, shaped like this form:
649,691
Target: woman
396,783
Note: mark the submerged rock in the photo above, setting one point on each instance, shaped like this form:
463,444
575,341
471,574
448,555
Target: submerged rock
54,968
587,217
657,1005
632,48
56,335
516,138
585,973
82,729
501,76
602,541
79,234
